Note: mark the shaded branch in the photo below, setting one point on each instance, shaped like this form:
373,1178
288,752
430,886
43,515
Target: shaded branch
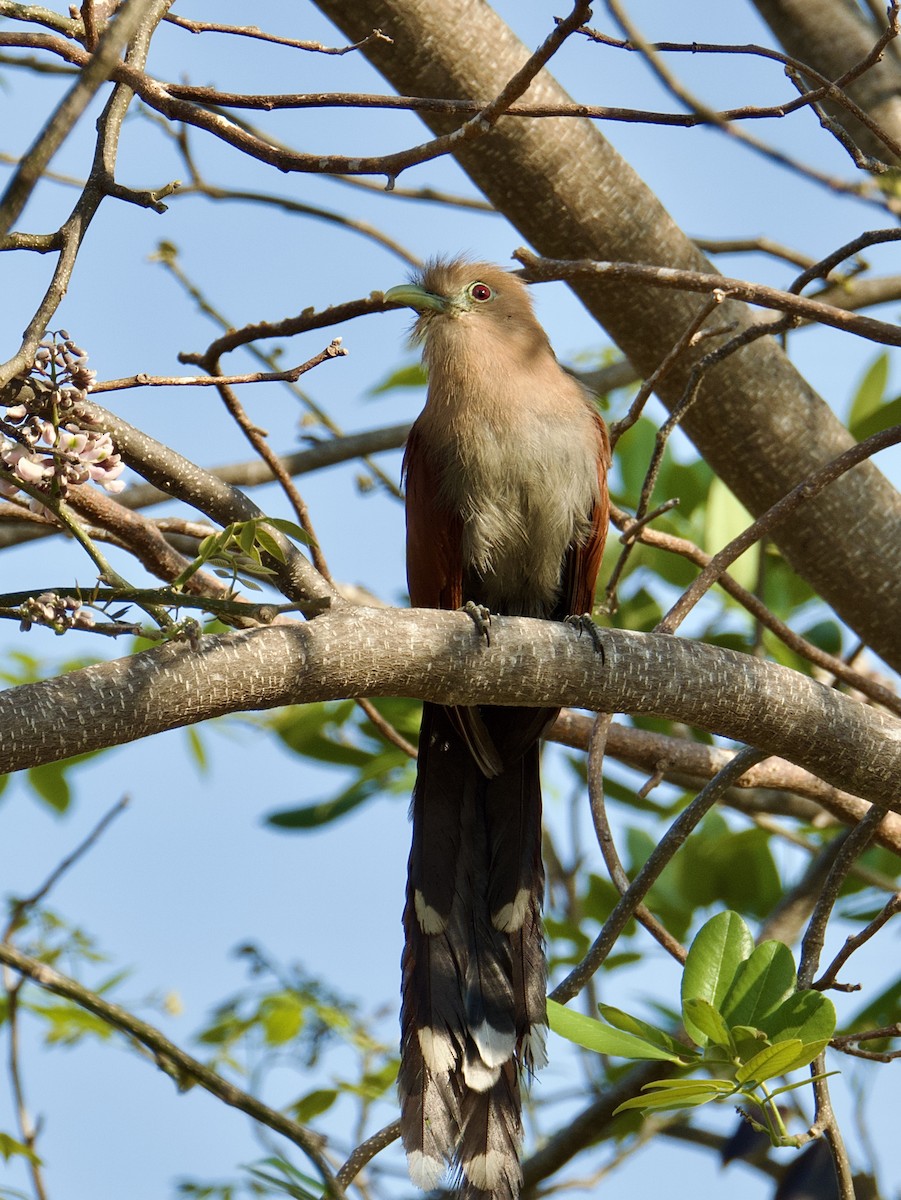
691,764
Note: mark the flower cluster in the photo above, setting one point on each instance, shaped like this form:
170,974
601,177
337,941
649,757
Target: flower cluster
59,612
53,454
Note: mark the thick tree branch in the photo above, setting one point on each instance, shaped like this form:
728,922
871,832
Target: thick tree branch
691,764
438,656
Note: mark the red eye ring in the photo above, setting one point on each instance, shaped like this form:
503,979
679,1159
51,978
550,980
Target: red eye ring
481,292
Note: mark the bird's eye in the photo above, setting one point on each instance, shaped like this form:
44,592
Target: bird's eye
480,292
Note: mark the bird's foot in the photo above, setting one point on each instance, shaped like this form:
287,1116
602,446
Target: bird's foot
582,623
480,617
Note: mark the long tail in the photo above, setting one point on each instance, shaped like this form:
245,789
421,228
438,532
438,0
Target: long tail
473,1015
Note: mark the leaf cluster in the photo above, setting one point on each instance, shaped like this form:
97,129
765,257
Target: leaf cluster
745,1023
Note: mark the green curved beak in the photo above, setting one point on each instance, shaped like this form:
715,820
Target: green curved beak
413,296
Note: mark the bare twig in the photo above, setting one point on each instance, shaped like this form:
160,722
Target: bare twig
23,904
865,684
366,1151
690,764
671,841
854,942
252,31
19,910
605,839
97,70
142,380
854,844
802,307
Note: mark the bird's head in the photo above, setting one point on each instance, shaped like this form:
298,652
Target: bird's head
465,299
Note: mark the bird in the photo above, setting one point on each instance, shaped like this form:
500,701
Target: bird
506,513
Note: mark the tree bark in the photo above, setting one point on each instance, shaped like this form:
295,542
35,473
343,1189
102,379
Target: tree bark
757,422
432,655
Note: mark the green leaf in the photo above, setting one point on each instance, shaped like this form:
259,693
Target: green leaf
638,443
267,542
716,953
374,1084
708,1020
312,816
314,1104
49,781
677,1093
806,1054
726,518
730,869
882,418
769,1062
689,483
826,634
282,1017
291,528
603,1039
807,1015
761,984
748,1040
650,1033
9,1147
870,392
409,376
67,1024
247,535
318,731
197,749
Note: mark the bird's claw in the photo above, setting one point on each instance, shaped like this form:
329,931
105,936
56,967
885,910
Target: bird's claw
582,623
480,617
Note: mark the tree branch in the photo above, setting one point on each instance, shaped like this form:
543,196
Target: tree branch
433,655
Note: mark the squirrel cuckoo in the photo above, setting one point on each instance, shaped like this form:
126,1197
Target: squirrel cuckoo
507,508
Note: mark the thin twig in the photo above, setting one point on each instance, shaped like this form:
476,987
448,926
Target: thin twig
605,839
854,942
546,269
866,685
142,380
671,841
22,905
366,1151
853,845
252,31
97,69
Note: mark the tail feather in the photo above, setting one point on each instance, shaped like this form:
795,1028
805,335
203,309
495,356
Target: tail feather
473,1006
432,878
492,1132
530,986
513,811
431,1117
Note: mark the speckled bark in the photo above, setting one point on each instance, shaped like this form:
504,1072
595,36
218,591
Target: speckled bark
758,423
438,656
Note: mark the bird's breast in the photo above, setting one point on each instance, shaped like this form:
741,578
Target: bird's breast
523,490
